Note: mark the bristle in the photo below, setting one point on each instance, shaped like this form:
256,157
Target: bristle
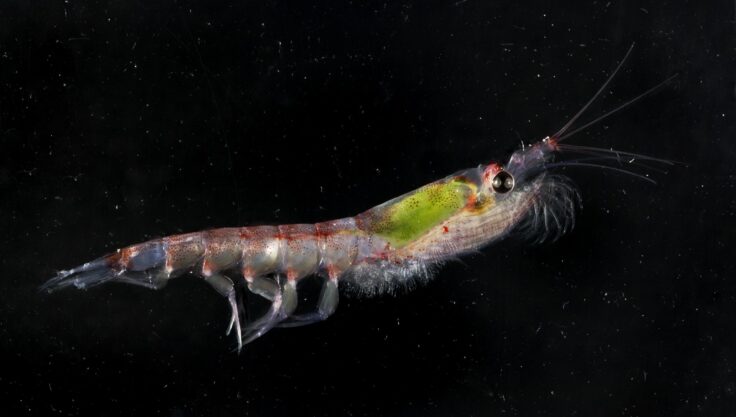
142,264
88,275
611,153
591,165
553,210
371,279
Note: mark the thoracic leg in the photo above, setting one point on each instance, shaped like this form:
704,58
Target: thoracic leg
284,301
326,305
225,287
263,286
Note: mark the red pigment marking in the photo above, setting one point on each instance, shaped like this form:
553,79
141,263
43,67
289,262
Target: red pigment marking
445,229
552,142
207,267
113,259
288,237
471,200
171,251
248,273
492,168
359,223
319,232
124,257
332,271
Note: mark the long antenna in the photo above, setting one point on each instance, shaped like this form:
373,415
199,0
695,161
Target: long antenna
567,125
617,109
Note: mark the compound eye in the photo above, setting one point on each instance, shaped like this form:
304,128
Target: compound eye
503,182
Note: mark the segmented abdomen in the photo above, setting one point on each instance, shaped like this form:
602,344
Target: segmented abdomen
296,250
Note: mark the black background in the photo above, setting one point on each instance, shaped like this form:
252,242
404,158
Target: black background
126,120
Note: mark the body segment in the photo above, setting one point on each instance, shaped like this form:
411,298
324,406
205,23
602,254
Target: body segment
377,250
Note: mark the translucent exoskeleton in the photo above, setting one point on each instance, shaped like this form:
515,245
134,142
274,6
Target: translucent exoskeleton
387,246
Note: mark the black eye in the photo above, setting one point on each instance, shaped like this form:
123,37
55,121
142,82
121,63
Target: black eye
503,182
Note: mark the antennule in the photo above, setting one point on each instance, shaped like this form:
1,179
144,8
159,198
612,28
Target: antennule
595,96
617,109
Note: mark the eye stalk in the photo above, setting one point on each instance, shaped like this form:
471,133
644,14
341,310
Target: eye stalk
503,182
